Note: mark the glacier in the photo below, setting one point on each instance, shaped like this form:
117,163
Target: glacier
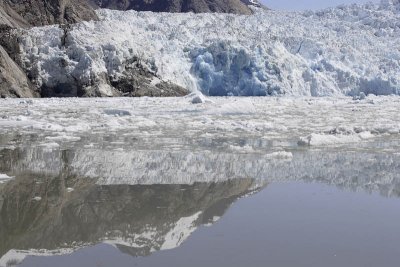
347,50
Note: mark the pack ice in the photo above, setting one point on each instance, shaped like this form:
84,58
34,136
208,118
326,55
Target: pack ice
348,50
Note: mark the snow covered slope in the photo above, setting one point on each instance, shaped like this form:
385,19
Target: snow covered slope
340,51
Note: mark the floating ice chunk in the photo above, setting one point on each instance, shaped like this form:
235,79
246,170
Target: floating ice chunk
21,118
366,135
63,137
361,96
117,112
243,149
237,107
315,139
197,98
50,145
26,102
280,155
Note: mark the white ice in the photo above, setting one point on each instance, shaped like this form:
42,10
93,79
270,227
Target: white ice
308,121
348,50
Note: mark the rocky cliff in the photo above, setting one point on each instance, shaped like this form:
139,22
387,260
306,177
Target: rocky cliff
196,6
8,16
19,13
13,81
38,13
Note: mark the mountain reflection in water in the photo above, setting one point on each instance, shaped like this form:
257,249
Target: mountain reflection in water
145,201
138,219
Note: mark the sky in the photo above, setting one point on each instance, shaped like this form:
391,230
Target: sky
308,4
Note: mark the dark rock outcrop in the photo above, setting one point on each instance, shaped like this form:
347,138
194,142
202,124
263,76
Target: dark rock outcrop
196,6
137,80
13,81
24,13
40,12
9,17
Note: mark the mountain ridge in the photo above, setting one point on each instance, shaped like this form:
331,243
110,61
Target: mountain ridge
17,13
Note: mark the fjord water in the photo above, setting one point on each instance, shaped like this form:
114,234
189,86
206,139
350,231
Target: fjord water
230,182
318,207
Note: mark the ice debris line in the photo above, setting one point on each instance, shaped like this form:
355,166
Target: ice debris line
346,50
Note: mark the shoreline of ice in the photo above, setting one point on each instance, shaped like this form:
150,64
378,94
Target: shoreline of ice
146,137
307,121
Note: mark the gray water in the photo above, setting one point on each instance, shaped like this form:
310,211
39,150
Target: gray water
106,206
293,224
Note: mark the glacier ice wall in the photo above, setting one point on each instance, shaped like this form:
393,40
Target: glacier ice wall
339,51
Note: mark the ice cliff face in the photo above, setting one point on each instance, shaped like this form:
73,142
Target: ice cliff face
338,51
137,81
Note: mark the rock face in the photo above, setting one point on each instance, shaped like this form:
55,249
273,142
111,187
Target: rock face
38,13
13,81
25,13
196,6
8,16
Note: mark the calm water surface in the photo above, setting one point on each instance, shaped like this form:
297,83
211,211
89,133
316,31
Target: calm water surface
103,205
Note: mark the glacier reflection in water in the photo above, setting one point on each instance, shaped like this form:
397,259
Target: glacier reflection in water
143,201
